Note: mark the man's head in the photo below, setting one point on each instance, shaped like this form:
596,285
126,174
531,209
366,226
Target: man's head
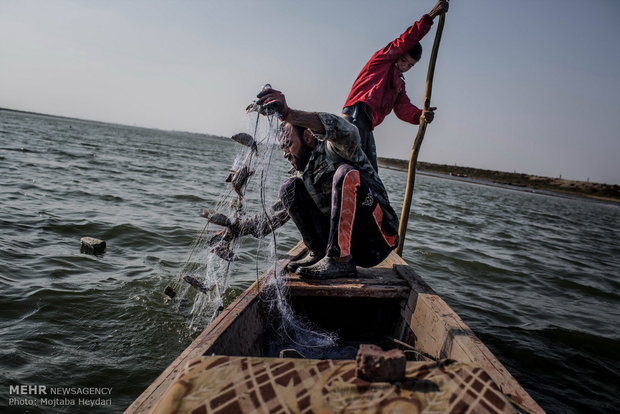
409,58
297,144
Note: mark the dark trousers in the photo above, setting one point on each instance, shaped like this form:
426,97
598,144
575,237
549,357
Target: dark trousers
354,225
360,115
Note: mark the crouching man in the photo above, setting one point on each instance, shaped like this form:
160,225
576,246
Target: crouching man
336,198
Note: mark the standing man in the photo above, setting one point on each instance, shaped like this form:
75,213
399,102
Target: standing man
380,86
336,198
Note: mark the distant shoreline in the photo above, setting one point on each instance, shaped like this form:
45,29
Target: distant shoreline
69,118
513,181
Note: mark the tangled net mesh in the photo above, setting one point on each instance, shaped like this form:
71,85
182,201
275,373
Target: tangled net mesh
202,286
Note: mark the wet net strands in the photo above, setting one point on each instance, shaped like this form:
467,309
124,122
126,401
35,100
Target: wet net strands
245,207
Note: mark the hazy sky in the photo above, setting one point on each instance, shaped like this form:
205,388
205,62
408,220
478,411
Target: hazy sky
530,86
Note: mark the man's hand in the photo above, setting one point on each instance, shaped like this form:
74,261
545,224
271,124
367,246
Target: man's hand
440,8
429,115
273,101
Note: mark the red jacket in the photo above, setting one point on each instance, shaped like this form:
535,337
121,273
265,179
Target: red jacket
381,85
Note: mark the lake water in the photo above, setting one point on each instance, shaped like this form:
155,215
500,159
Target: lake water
535,277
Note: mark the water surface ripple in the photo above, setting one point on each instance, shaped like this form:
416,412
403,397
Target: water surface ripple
536,277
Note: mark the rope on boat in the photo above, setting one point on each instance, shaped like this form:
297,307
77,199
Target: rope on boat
412,349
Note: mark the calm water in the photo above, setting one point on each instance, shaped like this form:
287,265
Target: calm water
536,277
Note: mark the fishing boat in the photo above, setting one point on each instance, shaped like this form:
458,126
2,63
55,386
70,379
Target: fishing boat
235,366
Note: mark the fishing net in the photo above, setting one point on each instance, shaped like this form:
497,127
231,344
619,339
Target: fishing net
248,205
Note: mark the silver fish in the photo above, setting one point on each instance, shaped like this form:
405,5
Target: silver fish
231,174
198,284
240,180
220,243
219,236
216,218
245,139
224,253
255,107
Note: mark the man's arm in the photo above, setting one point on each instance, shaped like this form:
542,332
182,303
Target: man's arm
408,112
262,224
305,119
412,35
397,47
342,135
274,101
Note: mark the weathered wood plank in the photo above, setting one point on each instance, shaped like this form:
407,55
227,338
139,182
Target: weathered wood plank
383,281
439,331
379,282
299,288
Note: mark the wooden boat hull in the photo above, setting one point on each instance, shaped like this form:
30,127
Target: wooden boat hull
386,305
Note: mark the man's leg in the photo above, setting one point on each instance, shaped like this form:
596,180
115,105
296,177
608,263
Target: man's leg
371,245
355,233
359,115
344,205
356,221
338,261
312,224
369,146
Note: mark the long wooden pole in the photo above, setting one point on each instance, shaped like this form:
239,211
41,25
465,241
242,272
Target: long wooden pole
413,158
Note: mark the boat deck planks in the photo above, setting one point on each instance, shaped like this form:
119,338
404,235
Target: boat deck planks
380,284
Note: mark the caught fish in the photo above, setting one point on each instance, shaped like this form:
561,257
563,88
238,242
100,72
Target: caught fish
220,236
255,107
198,284
245,139
220,241
216,218
224,253
240,180
231,175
